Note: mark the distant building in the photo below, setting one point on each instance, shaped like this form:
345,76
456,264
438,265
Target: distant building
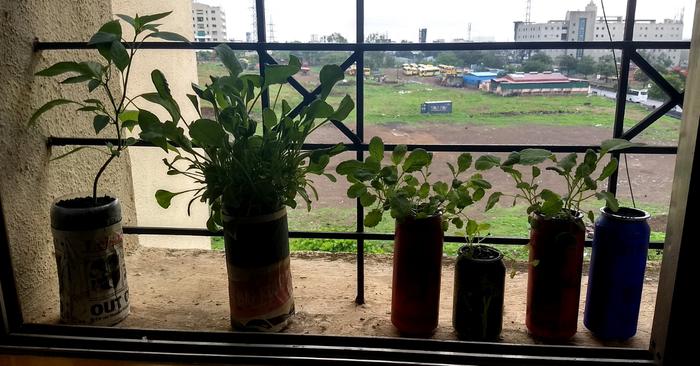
546,83
422,35
474,79
208,23
588,26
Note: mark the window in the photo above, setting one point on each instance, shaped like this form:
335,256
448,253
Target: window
213,25
213,18
200,19
200,26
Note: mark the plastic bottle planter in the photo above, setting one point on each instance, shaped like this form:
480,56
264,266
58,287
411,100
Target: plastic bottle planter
415,295
618,261
554,277
477,311
90,260
259,279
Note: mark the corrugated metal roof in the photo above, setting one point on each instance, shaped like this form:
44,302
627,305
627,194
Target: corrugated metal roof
484,74
553,77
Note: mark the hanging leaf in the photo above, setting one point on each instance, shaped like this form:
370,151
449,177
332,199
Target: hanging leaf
100,122
46,107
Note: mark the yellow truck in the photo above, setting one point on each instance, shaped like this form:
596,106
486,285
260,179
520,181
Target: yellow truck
353,70
427,70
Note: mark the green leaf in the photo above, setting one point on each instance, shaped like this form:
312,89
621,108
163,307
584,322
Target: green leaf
464,161
610,200
208,133
72,151
536,171
164,197
493,199
278,74
568,162
229,59
367,199
318,109
424,190
145,19
486,162
93,84
46,107
129,115
329,76
457,222
195,102
441,188
169,36
534,156
356,190
348,167
376,148
168,104
591,217
551,208
100,122
512,159
269,118
373,218
119,55
416,160
548,195
77,79
346,106
608,170
472,227
127,19
398,154
64,67
129,125
478,194
480,183
616,145
109,32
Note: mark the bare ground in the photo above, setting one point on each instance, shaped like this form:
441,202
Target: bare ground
187,289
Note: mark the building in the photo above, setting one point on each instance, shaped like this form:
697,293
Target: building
422,35
474,79
586,25
208,23
547,83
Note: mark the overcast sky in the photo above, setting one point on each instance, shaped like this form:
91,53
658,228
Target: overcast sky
297,20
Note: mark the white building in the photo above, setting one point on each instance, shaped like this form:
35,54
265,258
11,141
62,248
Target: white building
208,23
588,26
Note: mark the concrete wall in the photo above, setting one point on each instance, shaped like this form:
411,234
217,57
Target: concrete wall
29,183
149,172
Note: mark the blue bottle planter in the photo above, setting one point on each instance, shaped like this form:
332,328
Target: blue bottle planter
618,261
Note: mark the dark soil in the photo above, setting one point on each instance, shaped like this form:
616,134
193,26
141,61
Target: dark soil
85,202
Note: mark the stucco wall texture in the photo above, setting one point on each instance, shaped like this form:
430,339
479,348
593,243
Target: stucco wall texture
149,172
29,182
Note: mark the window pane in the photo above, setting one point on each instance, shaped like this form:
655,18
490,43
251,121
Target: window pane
328,21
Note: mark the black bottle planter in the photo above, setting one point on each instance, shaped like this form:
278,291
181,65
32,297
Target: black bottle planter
477,311
90,260
259,278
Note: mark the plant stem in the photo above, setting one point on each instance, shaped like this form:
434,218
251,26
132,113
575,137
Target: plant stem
97,178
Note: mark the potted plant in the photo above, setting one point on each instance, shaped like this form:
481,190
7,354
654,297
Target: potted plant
422,211
557,234
87,227
249,170
479,287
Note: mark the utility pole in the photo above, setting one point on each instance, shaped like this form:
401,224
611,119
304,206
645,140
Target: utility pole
254,24
528,9
271,30
469,32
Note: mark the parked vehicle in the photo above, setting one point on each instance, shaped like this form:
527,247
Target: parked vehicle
637,95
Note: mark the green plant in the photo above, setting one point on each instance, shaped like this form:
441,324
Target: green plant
246,166
581,179
103,77
402,187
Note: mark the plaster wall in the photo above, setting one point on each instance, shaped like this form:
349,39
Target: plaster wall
28,181
148,170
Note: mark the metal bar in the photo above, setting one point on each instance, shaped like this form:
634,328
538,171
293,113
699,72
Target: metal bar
482,148
291,80
622,84
657,78
262,52
471,46
359,132
394,344
10,311
648,120
343,235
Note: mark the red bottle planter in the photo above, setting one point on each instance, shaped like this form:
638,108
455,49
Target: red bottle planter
554,281
415,296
